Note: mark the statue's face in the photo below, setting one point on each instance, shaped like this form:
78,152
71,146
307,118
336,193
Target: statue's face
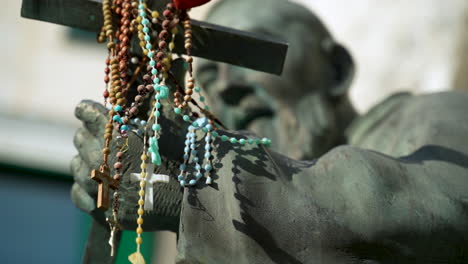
282,108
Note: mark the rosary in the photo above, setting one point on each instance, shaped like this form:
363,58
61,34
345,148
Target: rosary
122,20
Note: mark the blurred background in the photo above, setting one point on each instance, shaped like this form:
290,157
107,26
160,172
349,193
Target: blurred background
46,69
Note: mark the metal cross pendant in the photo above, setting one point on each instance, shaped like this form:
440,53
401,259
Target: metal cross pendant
102,176
114,228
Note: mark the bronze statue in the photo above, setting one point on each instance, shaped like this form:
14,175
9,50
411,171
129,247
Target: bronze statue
386,187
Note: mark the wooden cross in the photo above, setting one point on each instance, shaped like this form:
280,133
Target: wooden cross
213,42
102,176
151,179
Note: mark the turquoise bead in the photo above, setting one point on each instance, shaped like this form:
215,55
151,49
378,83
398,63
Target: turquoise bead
158,105
145,21
205,129
145,29
195,124
154,71
141,6
180,177
124,128
152,63
149,46
182,183
164,93
251,141
147,38
224,138
117,108
202,99
197,89
157,88
208,167
116,118
150,55
192,182
264,141
258,141
233,140
242,141
186,118
142,13
156,127
156,80
214,134
157,113
177,110
207,108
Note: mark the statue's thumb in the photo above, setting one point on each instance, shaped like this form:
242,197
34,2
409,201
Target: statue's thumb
93,116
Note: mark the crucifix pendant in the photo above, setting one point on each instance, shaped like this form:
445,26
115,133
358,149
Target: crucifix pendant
102,176
114,228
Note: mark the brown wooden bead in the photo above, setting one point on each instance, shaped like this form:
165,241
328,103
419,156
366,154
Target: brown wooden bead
162,44
165,24
189,59
113,100
187,98
163,34
138,98
106,151
188,45
190,85
184,104
121,101
107,136
141,88
188,91
110,125
149,88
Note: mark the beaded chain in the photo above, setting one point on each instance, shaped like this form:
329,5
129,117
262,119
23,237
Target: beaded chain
152,71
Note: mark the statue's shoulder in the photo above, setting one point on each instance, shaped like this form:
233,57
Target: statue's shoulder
404,122
363,125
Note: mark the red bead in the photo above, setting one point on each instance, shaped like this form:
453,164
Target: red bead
105,94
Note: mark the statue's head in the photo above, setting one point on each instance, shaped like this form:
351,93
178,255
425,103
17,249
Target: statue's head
305,110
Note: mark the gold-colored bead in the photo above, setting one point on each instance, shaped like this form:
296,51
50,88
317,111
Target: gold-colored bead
143,166
175,30
142,184
171,46
139,230
140,211
106,150
145,52
141,202
140,221
139,240
138,19
142,43
155,14
143,157
140,27
141,193
143,174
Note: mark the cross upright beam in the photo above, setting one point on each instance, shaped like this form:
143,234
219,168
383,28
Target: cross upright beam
213,42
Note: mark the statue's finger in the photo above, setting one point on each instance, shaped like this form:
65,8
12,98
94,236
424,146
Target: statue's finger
93,115
82,199
81,174
88,147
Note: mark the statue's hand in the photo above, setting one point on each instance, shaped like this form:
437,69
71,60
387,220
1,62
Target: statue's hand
89,142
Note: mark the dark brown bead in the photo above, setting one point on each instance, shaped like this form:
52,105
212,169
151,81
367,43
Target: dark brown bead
146,78
118,165
162,44
119,154
160,55
168,14
141,88
108,61
106,79
134,111
163,34
138,98
105,94
149,87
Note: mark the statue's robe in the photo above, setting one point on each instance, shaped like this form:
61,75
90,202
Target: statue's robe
397,194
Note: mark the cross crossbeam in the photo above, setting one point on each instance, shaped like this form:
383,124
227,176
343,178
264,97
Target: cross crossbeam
210,41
